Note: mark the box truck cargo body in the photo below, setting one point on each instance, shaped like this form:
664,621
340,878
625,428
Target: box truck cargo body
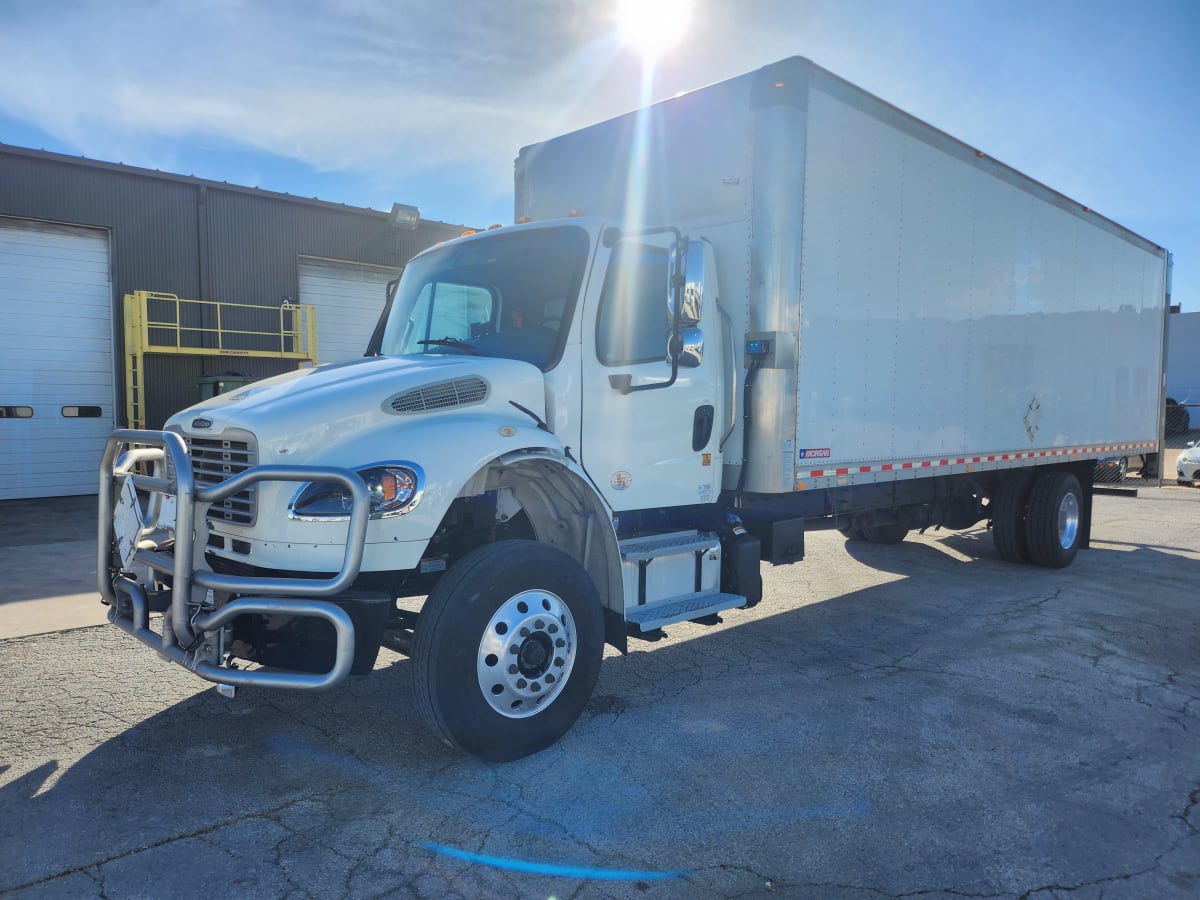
927,304
771,305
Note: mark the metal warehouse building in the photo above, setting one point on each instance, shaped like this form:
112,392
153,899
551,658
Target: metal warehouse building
219,279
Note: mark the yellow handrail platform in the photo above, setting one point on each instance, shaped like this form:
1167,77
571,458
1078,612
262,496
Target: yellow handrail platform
158,323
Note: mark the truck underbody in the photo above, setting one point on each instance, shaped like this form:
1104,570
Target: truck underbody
310,630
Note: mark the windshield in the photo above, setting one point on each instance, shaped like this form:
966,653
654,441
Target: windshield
507,294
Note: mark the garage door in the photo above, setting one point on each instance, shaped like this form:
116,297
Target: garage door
56,358
349,298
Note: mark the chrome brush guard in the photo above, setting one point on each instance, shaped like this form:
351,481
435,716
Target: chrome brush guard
193,620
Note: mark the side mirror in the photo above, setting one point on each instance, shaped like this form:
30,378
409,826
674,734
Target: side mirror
692,293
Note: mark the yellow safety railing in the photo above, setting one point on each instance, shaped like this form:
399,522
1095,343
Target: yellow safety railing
158,323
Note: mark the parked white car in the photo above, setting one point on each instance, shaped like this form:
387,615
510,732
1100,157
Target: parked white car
1188,464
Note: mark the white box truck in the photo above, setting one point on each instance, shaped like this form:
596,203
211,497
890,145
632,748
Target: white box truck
1183,373
767,306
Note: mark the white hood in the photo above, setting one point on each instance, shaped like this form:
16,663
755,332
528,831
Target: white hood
297,415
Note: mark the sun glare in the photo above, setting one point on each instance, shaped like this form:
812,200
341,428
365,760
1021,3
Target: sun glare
652,27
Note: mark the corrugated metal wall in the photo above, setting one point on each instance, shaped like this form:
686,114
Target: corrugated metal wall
153,221
200,240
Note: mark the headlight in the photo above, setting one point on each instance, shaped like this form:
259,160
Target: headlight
394,489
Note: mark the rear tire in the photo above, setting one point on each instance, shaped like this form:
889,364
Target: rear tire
1009,505
884,534
507,649
1054,524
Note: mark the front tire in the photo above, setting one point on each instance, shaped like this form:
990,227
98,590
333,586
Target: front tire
507,649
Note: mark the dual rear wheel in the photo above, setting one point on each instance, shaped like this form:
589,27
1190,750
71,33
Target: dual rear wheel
877,534
1038,518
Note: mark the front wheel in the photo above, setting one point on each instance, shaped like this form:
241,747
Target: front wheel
507,649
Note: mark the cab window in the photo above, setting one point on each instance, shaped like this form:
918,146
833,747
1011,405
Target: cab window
632,324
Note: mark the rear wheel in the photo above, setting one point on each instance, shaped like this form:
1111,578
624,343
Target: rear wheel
507,649
1054,524
1009,505
884,534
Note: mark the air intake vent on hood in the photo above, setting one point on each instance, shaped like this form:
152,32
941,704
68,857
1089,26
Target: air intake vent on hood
444,395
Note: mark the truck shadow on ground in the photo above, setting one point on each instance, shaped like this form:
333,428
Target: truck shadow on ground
978,716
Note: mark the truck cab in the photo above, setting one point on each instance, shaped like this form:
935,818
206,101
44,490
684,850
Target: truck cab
529,388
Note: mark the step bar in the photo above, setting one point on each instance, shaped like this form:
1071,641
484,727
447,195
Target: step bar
681,609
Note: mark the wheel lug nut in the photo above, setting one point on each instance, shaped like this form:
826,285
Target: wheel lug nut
560,643
539,624
553,629
549,678
524,632
558,661
512,670
535,687
514,649
522,683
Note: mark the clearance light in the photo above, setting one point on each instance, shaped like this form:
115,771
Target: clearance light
575,214
469,232
524,220
494,227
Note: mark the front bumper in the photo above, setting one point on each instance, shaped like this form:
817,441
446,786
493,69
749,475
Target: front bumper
151,556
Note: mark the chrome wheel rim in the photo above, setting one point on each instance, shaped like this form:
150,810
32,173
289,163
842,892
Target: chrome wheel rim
526,654
1068,520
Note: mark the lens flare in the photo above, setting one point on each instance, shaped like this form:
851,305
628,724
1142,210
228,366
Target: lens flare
652,27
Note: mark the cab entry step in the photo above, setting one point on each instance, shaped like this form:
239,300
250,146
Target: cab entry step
681,609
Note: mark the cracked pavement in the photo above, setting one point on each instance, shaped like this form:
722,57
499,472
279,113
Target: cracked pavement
912,721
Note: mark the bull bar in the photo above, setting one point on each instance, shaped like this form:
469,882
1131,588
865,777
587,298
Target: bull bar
186,625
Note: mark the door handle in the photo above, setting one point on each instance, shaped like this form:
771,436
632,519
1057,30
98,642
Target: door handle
702,426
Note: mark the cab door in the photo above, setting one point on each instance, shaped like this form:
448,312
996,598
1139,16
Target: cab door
651,426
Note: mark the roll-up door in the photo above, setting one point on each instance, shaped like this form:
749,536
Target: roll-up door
348,298
56,358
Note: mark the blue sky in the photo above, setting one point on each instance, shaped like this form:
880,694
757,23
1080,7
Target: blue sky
373,101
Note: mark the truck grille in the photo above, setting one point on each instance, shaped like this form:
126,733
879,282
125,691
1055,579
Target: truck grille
215,459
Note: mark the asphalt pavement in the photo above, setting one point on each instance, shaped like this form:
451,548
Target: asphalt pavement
917,720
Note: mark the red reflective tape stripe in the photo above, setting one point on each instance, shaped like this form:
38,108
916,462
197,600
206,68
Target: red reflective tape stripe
960,461
887,467
842,472
816,473
906,466
864,468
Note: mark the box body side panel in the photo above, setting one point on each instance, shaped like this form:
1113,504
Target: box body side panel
946,311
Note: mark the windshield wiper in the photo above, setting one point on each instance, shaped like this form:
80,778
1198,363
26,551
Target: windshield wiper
451,342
